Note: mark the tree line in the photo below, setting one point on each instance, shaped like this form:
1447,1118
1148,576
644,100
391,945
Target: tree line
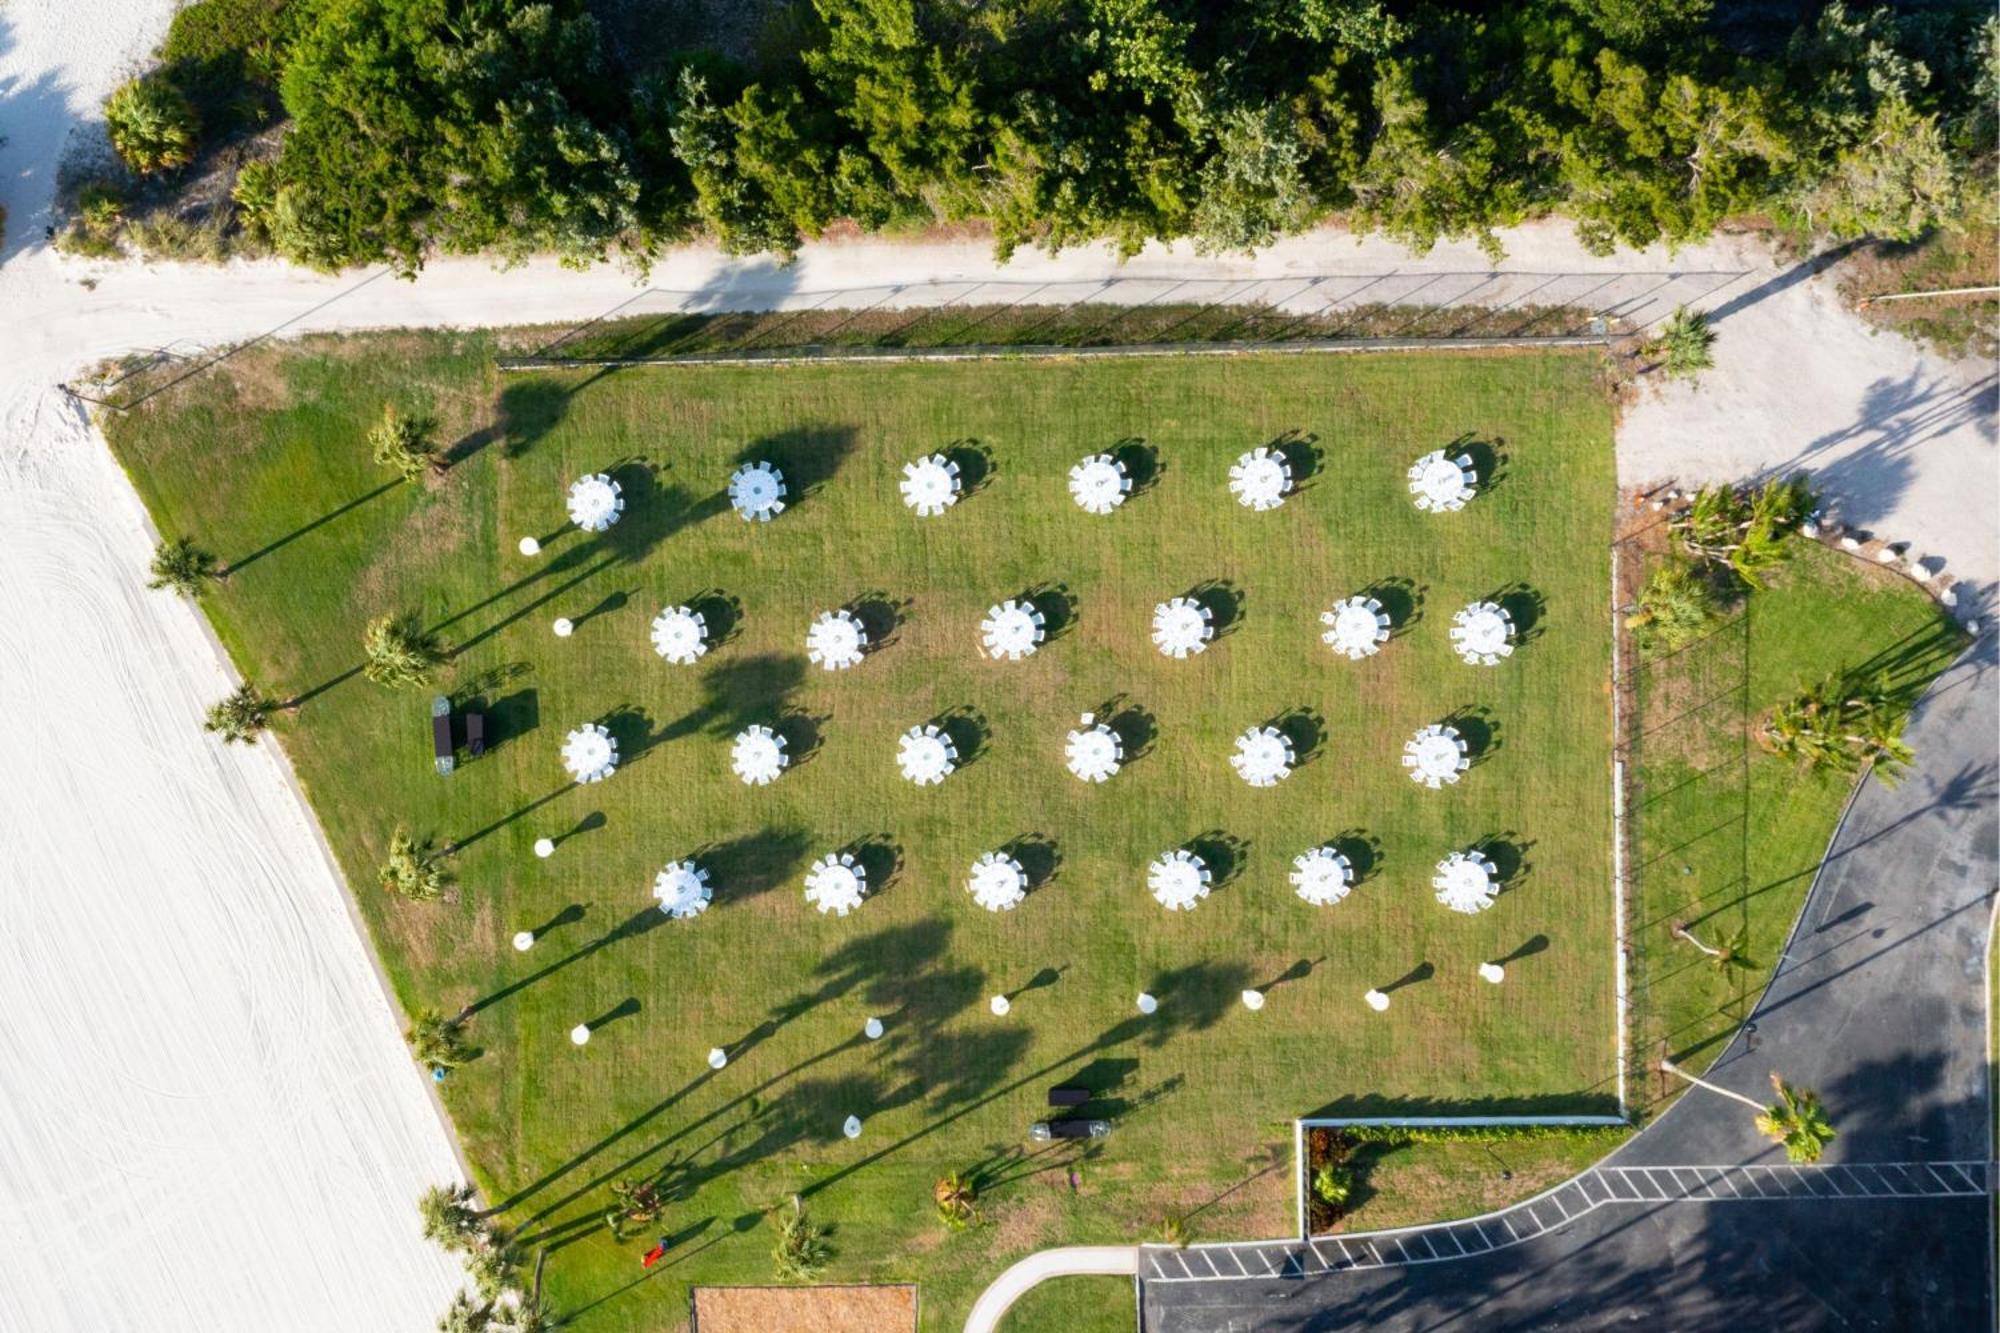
513,127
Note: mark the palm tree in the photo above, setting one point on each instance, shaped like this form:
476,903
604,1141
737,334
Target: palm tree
1675,606
495,1266
1796,1120
1174,1231
437,1041
1743,529
451,1216
242,715
802,1252
400,651
1686,344
532,1313
412,870
1732,951
1844,725
406,444
466,1315
183,566
954,1194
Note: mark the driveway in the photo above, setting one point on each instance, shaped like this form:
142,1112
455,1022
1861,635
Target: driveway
1879,1002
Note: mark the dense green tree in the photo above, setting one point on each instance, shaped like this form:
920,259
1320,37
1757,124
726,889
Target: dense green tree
464,125
506,127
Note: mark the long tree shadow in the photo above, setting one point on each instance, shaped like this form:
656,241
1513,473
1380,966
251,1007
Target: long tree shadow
639,923
898,950
279,543
460,844
1191,999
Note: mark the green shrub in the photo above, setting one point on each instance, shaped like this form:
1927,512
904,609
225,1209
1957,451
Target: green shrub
226,55
100,206
255,195
1472,1133
152,125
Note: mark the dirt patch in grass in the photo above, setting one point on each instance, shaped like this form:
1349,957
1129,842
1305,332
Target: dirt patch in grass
837,1309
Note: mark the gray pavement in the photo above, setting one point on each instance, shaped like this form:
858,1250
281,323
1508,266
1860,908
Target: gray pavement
1878,1002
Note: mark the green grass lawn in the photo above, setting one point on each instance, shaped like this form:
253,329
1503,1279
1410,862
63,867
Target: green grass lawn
264,463
1727,837
1074,1305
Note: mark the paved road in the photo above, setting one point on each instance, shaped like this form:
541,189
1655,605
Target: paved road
1878,1001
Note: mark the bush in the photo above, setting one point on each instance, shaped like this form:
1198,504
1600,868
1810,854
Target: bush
152,125
226,55
255,195
801,1252
405,444
1686,344
1471,1133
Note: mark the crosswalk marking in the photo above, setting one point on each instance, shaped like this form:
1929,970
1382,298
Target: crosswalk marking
1599,1187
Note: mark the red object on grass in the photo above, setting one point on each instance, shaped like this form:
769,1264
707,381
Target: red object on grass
652,1256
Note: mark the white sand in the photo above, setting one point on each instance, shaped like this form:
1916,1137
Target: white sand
207,1118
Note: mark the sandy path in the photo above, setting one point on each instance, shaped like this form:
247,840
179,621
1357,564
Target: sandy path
207,1119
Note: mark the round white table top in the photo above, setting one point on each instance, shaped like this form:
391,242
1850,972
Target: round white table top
1010,630
1098,484
1441,481
678,635
588,753
1262,757
593,502
928,485
1180,628
923,757
756,489
1464,883
998,882
1176,881
1436,752
1260,479
1093,754
1481,628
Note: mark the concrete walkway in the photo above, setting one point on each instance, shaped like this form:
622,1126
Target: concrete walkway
1879,1002
1075,1261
